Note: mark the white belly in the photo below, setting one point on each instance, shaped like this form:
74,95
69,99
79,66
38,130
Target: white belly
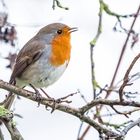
41,74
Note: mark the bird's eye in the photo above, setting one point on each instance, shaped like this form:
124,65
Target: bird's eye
59,31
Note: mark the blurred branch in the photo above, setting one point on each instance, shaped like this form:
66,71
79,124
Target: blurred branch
131,125
6,117
126,77
104,7
79,130
15,134
111,13
5,114
3,3
96,102
120,58
1,135
92,45
122,52
84,133
44,101
58,4
119,16
79,113
125,113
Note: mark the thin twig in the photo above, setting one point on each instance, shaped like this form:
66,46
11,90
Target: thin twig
79,130
131,125
92,45
104,6
84,133
122,53
126,77
79,113
118,112
125,113
108,102
58,4
64,108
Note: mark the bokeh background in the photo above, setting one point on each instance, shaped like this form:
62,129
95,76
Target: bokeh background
29,16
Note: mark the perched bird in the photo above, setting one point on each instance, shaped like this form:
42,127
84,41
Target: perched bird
44,58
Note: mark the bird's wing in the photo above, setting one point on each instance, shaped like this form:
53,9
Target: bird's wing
30,53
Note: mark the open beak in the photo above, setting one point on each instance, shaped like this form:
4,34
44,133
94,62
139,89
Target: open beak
73,29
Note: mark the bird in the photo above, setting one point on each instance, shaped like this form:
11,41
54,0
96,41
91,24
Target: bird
43,59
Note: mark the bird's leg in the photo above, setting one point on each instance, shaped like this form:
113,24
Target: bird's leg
46,94
38,95
50,99
59,100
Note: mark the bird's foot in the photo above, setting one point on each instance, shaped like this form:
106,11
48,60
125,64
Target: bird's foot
57,101
51,100
38,96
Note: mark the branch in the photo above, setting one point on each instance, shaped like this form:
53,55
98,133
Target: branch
1,135
126,76
73,111
104,7
131,125
92,45
58,4
122,52
108,102
6,117
125,113
15,134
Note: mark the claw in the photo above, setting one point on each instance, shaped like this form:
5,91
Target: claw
38,96
57,101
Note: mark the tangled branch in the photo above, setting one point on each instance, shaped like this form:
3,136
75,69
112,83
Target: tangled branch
77,112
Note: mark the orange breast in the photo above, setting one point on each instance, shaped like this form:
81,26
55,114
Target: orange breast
61,49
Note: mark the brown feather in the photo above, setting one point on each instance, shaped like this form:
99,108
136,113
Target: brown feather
27,56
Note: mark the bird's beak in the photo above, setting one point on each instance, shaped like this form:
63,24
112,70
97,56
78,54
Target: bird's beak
73,29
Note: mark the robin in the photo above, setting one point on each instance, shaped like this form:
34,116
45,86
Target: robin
44,58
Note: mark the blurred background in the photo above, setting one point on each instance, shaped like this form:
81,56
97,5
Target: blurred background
28,16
